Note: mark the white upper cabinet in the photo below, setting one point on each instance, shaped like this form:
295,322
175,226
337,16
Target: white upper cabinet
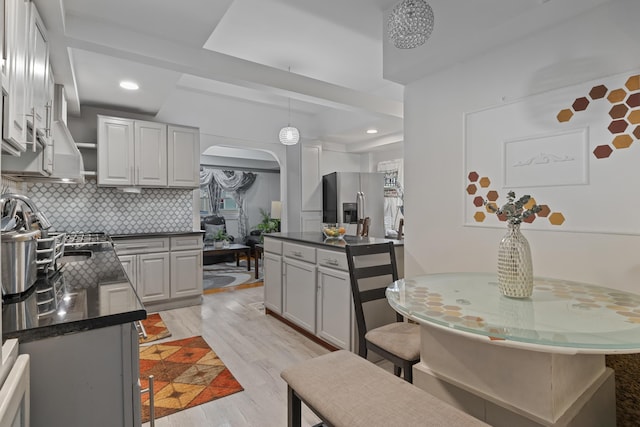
14,129
150,142
147,154
38,102
116,151
184,156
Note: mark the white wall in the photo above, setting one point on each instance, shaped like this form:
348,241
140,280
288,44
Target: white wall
337,161
601,42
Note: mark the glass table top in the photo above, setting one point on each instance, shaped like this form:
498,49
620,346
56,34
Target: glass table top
560,313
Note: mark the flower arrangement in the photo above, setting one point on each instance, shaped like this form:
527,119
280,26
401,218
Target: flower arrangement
514,210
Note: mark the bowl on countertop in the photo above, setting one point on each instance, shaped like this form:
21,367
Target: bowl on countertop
333,231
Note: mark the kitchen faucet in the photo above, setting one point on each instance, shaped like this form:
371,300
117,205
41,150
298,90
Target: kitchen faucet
9,221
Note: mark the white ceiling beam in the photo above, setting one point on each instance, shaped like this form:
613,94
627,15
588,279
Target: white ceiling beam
123,44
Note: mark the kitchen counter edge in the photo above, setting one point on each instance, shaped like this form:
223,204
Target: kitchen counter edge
151,235
317,239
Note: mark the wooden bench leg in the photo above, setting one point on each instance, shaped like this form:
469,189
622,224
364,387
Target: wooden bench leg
294,409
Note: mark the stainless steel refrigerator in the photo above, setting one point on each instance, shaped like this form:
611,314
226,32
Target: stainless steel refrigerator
349,196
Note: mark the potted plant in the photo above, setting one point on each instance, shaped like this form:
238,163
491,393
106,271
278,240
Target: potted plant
220,239
268,224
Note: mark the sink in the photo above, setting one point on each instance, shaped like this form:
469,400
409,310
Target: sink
75,256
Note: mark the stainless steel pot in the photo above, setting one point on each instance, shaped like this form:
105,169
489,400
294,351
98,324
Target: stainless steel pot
19,268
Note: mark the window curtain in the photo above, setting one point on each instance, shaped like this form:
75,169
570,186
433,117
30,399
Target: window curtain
394,193
209,187
237,183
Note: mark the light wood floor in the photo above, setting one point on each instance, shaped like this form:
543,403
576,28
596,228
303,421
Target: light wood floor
255,347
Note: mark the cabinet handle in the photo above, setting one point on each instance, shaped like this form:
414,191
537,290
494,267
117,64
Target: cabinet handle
152,406
332,261
140,328
135,247
33,127
48,119
297,254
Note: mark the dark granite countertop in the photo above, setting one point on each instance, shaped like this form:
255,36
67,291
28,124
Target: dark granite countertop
151,235
83,295
317,239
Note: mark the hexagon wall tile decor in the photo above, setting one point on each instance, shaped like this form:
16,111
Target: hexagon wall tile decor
574,148
626,102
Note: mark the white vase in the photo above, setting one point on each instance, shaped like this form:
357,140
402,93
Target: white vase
218,244
515,269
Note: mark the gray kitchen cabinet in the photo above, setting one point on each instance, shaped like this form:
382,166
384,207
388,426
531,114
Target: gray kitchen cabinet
299,285
14,129
308,284
150,141
273,282
101,387
146,262
165,271
334,307
273,275
153,277
38,101
184,156
131,152
186,273
147,154
116,152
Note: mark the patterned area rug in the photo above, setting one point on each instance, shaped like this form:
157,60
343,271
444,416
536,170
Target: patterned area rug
155,328
227,275
187,373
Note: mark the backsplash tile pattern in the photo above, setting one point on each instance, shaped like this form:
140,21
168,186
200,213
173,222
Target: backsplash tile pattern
89,208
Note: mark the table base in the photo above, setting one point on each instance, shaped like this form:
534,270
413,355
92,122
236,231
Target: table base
507,386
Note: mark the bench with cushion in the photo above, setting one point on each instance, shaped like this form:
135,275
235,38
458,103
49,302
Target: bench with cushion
346,390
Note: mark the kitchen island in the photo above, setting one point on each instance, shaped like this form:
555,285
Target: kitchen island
77,325
307,286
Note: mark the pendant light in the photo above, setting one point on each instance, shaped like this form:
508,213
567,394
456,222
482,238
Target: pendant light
289,135
410,24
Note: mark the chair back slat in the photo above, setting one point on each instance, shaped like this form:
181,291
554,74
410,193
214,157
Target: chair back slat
374,271
372,294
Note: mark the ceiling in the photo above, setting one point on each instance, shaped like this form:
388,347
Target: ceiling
316,63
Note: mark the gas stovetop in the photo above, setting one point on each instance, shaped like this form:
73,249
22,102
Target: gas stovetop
86,238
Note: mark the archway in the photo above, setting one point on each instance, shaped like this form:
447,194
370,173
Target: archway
267,184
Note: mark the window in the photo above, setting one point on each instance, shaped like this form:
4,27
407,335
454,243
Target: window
228,203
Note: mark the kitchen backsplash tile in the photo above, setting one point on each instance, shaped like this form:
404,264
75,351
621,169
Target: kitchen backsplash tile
89,208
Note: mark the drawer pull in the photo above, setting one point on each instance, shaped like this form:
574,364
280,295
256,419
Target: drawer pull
140,328
297,254
332,261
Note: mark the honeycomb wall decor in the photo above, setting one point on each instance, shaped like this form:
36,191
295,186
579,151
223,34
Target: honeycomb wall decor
624,114
89,208
574,148
487,204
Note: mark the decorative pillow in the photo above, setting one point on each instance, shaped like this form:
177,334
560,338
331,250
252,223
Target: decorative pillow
211,230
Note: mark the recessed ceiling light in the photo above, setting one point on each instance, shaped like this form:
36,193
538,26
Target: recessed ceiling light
128,85
371,131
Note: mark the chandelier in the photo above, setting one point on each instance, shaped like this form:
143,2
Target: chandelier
410,24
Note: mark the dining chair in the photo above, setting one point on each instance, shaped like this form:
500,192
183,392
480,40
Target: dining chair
399,341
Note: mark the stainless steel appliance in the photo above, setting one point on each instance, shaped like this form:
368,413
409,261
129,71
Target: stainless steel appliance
19,270
350,196
21,224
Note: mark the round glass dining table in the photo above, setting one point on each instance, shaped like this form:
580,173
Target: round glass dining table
560,317
530,361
